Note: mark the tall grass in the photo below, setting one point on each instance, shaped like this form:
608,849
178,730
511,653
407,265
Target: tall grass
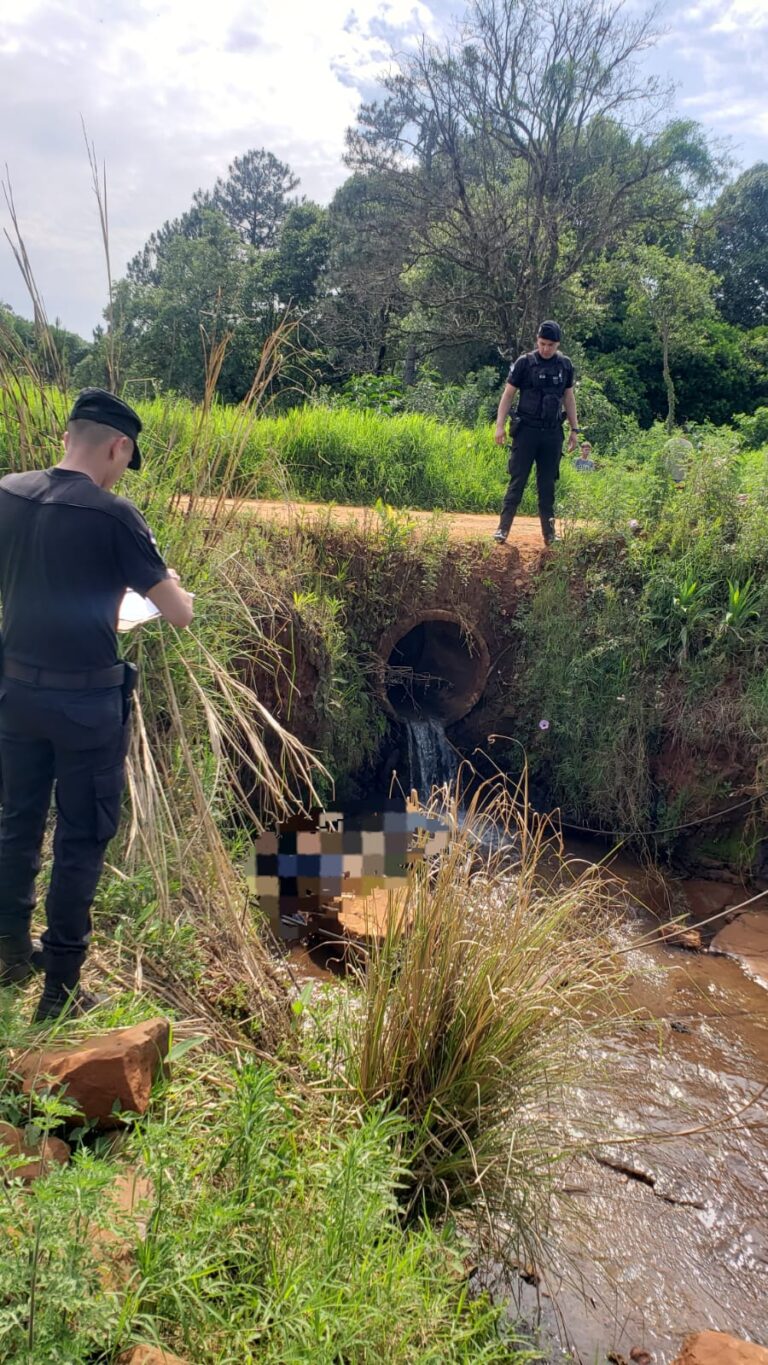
202,737
314,453
356,457
492,966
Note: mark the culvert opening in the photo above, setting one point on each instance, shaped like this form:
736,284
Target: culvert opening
433,667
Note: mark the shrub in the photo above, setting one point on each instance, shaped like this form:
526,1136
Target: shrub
752,428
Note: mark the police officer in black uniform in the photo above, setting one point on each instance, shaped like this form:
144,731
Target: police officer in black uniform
544,380
69,548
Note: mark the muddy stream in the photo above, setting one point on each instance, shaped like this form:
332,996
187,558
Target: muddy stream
668,1234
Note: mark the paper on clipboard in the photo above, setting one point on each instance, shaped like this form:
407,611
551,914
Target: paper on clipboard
134,610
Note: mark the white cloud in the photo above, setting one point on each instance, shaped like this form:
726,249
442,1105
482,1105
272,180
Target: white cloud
170,92
717,52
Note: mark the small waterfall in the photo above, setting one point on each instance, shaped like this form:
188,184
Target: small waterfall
432,761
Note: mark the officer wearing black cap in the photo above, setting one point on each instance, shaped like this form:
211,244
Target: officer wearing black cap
69,549
544,380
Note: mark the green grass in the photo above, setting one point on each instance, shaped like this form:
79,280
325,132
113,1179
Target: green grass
631,645
471,1008
358,456
273,1234
311,1210
297,1192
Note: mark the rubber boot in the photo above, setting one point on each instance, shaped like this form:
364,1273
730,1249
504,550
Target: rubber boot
20,958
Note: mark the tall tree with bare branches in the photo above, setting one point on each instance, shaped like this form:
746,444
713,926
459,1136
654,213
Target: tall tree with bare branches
518,152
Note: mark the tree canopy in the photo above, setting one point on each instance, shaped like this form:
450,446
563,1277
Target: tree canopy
526,166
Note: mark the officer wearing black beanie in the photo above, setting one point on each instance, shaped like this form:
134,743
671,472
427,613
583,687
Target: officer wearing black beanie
69,548
544,380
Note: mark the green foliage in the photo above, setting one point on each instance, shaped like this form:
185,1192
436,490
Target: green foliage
628,639
253,196
743,608
753,428
358,456
733,242
21,342
676,297
272,1234
690,613
200,292
291,271
603,423
468,404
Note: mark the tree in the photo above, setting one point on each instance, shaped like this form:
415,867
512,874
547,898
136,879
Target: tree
734,243
520,152
52,358
197,293
291,271
369,250
676,296
147,265
253,197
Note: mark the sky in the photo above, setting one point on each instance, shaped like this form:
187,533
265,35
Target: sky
171,90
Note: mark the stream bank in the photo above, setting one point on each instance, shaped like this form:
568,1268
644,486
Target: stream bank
531,660
665,1234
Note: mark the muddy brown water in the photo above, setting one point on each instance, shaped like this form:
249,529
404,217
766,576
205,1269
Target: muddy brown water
667,1234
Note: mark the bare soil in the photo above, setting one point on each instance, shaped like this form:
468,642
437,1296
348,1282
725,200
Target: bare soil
525,536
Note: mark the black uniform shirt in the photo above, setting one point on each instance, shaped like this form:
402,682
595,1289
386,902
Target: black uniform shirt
520,373
68,551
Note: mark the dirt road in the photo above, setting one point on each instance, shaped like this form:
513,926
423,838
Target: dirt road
525,536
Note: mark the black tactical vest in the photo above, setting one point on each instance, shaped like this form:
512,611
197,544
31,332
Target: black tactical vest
541,396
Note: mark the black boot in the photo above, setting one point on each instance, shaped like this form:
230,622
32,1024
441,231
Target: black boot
548,530
65,1000
20,958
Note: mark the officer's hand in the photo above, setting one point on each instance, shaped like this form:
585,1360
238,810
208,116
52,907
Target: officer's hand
500,436
173,574
573,441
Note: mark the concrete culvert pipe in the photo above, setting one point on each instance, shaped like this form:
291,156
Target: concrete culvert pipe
432,665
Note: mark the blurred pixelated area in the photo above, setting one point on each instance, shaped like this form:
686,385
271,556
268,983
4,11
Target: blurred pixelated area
302,872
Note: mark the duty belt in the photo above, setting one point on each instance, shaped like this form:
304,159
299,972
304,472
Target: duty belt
41,677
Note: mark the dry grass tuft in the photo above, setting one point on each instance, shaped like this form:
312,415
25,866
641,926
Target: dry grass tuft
493,967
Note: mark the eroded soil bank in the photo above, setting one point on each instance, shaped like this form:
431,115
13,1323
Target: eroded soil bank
665,1230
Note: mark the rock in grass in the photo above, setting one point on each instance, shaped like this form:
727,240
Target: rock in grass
41,1156
103,1076
720,1348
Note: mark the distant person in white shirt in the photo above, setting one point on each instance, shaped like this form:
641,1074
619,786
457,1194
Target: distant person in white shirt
584,462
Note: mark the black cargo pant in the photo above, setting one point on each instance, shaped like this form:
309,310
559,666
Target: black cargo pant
544,448
77,740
